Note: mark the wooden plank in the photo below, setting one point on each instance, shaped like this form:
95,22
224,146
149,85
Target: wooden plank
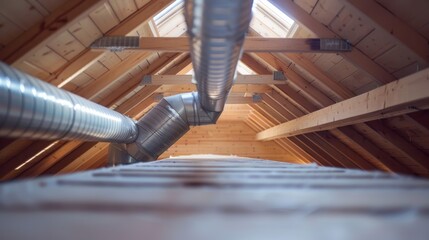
392,25
123,8
359,59
314,93
50,160
389,100
130,24
381,158
66,45
69,158
108,77
372,152
147,194
187,79
38,35
15,12
334,155
85,31
271,118
37,151
320,75
8,32
415,156
104,17
251,44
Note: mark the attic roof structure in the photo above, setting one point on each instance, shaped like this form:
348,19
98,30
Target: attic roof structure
358,109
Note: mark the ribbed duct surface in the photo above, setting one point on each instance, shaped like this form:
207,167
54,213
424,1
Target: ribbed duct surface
217,30
31,108
161,127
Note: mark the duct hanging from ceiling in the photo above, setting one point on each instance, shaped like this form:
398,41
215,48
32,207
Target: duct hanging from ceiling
217,29
31,108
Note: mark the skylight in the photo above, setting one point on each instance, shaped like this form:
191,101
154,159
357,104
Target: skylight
168,11
269,21
279,15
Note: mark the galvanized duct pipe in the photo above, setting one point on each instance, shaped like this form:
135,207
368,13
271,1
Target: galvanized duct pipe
161,127
31,108
217,29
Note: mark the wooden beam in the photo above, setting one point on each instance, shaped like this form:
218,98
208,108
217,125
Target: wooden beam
379,158
418,158
402,96
50,160
87,57
187,79
337,88
358,58
251,44
50,27
269,120
331,150
132,83
373,154
238,88
96,86
403,33
301,155
319,97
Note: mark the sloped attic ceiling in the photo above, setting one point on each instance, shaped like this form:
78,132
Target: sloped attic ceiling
50,40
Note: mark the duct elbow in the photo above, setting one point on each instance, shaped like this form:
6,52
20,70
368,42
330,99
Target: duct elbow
161,127
191,110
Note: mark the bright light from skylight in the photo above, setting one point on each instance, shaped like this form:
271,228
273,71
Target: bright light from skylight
167,11
269,21
275,12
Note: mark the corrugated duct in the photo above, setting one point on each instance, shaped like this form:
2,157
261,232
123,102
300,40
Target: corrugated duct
34,109
31,108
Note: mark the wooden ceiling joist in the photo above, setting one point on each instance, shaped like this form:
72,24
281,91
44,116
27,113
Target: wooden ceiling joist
403,96
404,34
251,44
81,62
331,148
314,139
358,58
59,20
187,79
304,104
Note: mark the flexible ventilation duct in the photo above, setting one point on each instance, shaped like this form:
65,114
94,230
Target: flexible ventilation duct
31,108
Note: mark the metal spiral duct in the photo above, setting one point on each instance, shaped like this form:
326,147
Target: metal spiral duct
161,127
31,108
217,29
